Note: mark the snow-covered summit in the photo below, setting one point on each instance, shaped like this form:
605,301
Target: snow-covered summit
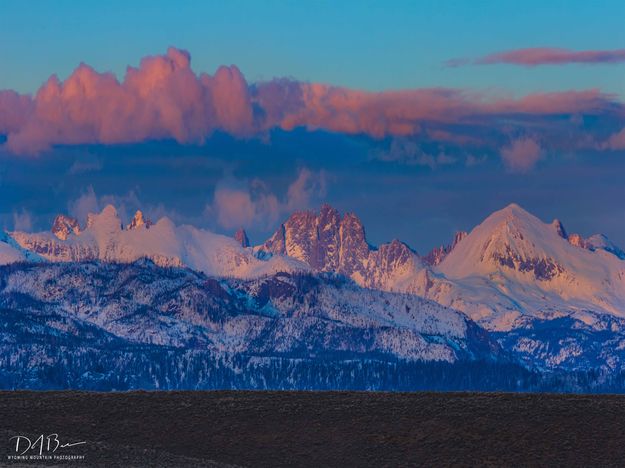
514,264
509,239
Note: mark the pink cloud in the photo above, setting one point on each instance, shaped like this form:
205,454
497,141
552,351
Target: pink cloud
15,110
521,155
87,202
308,186
243,204
234,207
163,98
535,56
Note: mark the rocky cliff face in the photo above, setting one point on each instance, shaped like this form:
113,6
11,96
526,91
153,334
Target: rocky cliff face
64,225
331,243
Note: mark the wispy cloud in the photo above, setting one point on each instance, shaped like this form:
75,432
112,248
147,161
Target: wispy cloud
237,203
22,220
84,165
408,152
521,154
535,56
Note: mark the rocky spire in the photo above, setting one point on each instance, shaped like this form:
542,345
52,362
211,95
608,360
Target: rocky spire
64,225
241,237
139,221
437,254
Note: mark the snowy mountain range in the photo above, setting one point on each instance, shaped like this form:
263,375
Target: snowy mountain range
282,314
513,290
104,238
107,326
510,267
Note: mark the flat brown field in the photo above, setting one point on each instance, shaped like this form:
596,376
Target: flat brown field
321,429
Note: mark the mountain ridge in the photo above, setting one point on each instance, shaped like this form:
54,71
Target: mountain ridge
514,291
510,266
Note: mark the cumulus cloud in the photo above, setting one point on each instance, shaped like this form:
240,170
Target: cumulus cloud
239,203
86,203
236,203
90,202
307,187
521,155
535,56
163,98
15,110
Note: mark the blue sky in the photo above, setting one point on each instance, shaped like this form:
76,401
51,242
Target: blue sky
416,164
369,45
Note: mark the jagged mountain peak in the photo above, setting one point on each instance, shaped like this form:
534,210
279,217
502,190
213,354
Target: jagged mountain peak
438,254
317,237
64,225
139,221
515,221
327,241
592,243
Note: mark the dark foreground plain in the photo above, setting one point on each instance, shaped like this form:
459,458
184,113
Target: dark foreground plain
320,428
